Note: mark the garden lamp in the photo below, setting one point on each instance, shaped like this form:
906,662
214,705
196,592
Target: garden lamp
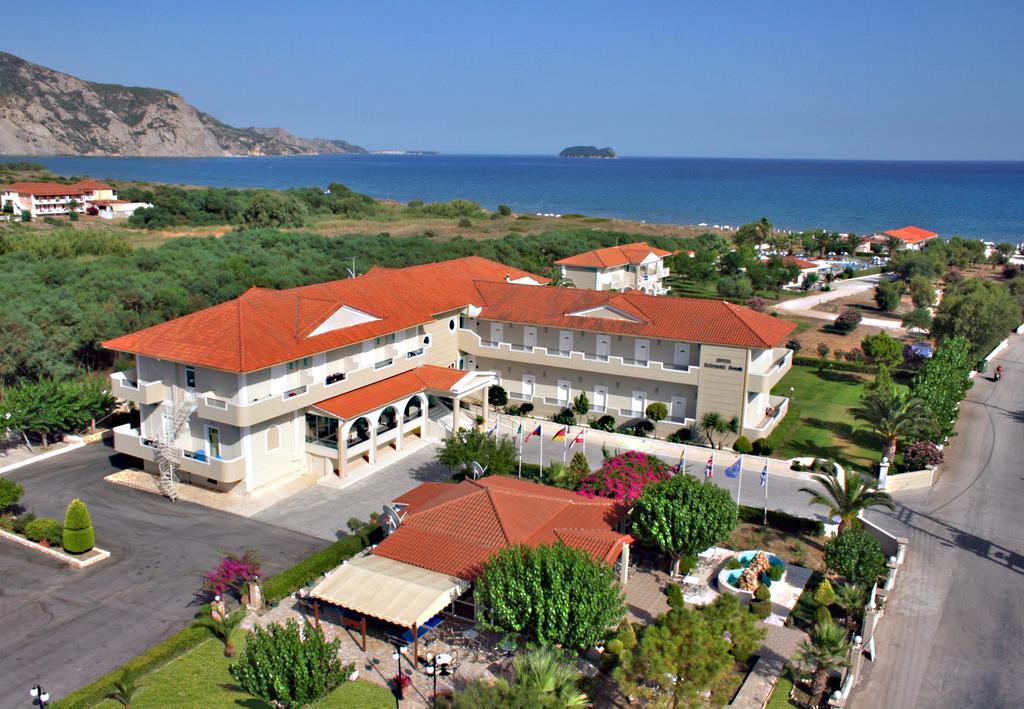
39,695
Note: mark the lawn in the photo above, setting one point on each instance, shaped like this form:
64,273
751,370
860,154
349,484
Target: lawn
200,678
827,429
780,695
800,549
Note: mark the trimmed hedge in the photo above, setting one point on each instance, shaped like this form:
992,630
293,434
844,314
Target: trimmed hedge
787,426
290,580
837,366
160,654
782,521
79,536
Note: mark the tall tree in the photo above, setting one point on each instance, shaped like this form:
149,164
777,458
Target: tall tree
847,497
894,416
825,651
983,312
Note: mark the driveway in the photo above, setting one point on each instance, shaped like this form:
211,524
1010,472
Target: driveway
804,307
952,632
323,511
63,627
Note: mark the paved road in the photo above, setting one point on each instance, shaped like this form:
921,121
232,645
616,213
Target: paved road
805,307
65,627
323,511
953,634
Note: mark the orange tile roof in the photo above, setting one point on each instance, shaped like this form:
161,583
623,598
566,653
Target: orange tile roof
46,189
263,327
690,319
386,391
90,185
799,262
613,256
912,234
453,529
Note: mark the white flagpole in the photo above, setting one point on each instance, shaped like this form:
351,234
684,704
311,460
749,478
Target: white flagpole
565,446
520,449
739,481
765,520
540,455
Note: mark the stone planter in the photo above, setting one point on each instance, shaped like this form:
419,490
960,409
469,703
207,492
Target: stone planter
728,578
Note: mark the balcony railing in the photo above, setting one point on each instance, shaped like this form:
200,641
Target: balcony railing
125,385
227,468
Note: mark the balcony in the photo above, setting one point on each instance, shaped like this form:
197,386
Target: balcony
470,343
126,385
129,441
764,381
769,419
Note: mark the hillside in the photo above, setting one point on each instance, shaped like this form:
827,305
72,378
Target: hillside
46,112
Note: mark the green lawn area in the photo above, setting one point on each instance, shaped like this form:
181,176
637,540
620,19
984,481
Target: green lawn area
200,678
826,429
780,695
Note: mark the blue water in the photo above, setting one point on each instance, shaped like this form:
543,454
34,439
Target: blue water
953,198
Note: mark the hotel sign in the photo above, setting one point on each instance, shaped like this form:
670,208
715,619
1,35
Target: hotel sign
724,364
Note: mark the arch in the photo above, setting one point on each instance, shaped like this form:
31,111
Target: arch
416,399
387,419
362,431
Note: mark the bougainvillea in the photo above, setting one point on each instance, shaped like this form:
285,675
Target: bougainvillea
623,477
920,454
231,574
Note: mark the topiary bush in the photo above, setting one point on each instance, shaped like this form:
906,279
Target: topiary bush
10,493
825,595
775,572
566,417
733,563
856,555
823,615
680,435
78,536
742,445
762,446
763,593
44,529
762,609
604,423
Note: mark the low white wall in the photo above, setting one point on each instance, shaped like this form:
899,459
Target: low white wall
915,480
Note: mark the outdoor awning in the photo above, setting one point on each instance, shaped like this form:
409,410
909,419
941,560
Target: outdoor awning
390,590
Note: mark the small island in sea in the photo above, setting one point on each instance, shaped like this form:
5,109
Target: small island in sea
587,151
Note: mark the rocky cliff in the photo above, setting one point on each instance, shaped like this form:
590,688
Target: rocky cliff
46,112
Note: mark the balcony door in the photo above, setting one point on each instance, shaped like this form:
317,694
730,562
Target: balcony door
604,346
564,391
639,402
213,441
565,340
529,384
601,398
677,409
642,350
497,331
529,337
681,354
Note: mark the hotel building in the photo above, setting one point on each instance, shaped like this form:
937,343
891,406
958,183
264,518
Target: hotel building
328,378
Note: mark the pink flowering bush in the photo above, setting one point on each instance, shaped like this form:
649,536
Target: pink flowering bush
623,477
231,574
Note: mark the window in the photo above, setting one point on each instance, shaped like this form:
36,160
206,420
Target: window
384,340
322,430
190,376
384,363
213,441
298,364
273,438
451,324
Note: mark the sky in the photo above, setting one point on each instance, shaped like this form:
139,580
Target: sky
893,79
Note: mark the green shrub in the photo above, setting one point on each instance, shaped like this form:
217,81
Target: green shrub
525,409
762,609
78,536
627,635
822,615
733,563
10,493
856,555
285,666
762,446
565,417
657,411
465,223
825,595
504,210
782,521
290,580
614,646
604,423
44,529
742,445
674,596
22,521
762,593
680,435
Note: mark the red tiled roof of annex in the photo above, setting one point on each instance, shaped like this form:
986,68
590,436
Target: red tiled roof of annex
613,256
799,262
90,185
46,189
373,396
263,327
688,319
453,529
912,234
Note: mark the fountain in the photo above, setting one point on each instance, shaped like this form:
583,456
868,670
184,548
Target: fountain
755,566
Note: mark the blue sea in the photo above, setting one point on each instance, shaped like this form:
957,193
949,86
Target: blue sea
970,199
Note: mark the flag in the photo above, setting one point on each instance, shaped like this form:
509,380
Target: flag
733,471
492,430
681,465
764,474
577,439
560,434
534,432
709,469
519,431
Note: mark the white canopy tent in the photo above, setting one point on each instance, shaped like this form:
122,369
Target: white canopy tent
390,590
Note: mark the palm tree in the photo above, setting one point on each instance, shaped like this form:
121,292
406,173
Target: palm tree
713,423
223,627
851,597
893,415
893,244
847,497
548,680
125,688
825,651
559,279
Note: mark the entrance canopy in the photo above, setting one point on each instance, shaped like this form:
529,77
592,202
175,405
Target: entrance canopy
390,590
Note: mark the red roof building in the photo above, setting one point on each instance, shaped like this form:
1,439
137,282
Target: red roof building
453,529
47,198
912,236
638,266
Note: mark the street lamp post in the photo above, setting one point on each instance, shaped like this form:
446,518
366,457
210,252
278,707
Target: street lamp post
40,696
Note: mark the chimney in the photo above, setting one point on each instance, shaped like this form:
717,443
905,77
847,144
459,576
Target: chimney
508,278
